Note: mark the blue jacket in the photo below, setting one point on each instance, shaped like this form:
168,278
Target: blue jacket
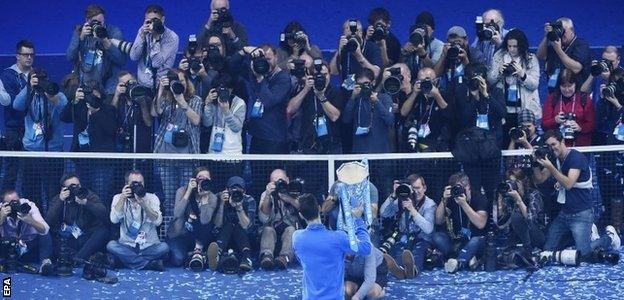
12,118
273,92
31,140
321,253
378,138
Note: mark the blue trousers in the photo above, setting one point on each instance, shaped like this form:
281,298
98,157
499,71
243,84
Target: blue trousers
469,249
137,259
578,224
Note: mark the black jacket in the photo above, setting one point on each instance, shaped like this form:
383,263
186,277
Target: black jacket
88,217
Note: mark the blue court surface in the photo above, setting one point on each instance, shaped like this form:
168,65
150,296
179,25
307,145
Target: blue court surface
555,282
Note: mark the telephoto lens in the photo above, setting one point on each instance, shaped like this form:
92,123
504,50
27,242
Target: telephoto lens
392,84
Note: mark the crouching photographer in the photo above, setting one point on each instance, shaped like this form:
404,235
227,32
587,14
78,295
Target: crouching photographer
464,214
412,215
278,214
192,227
231,253
23,235
78,220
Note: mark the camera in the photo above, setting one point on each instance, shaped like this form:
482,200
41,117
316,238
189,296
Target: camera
98,30
367,90
457,190
508,70
614,89
352,41
91,99
319,79
260,64
45,85
224,19
298,37
403,191
214,60
485,31
603,256
568,132
174,83
419,36
387,245
474,83
205,185
223,94
157,26
76,191
138,189
557,31
281,187
564,257
191,47
507,186
600,66
294,188
392,84
412,138
516,133
236,195
137,93
195,64
544,152
299,70
426,86
9,250
380,32
23,208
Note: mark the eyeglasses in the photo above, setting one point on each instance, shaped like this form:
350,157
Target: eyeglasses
27,54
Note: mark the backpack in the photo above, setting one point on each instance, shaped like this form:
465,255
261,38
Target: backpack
476,145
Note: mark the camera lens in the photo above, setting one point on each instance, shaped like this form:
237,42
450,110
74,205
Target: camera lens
138,189
261,65
403,191
426,86
457,190
416,38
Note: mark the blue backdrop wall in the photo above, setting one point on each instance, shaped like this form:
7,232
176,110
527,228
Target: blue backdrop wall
49,23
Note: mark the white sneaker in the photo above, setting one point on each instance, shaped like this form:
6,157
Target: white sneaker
451,265
594,233
615,238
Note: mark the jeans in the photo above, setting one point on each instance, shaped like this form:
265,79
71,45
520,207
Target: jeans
526,232
579,224
173,175
136,259
268,240
39,248
11,165
233,236
419,251
469,249
180,246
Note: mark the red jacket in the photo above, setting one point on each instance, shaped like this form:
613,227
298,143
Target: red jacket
584,116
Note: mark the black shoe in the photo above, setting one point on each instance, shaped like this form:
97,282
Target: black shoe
229,264
266,261
111,261
47,268
155,265
245,265
282,262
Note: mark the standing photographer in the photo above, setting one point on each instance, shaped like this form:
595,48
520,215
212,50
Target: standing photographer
22,226
133,109
354,54
415,54
568,110
600,73
193,224
494,22
456,55
378,31
294,43
224,113
78,218
413,215
154,47
193,64
91,50
236,218
221,22
464,213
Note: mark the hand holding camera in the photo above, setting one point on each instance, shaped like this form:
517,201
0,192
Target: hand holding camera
270,188
85,31
192,184
184,64
5,210
211,97
408,205
64,194
126,192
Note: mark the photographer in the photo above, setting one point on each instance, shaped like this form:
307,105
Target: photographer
570,111
378,31
294,42
199,74
90,49
562,49
600,72
132,111
528,137
574,184
268,88
428,113
278,214
21,224
42,102
194,219
237,215
371,115
14,79
415,52
224,113
413,215
493,22
79,218
320,104
434,48
456,55
353,55
516,72
365,276
221,23
464,214
154,47
138,246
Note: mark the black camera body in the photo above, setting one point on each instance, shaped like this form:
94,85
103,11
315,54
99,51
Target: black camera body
91,99
195,63
367,90
352,40
77,191
319,79
236,194
299,70
137,93
205,185
485,31
474,82
138,189
392,84
223,94
380,32
600,66
426,86
174,83
544,152
403,191
557,31
98,30
516,133
419,36
260,64
452,54
224,19
157,26
298,37
294,188
457,190
614,89
568,132
22,208
44,84
507,186
508,70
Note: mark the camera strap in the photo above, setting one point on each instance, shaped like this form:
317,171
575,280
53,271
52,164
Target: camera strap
130,210
427,114
573,104
359,117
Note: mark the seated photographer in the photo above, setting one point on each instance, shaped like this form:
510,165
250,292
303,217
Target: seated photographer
353,55
520,207
221,22
562,49
278,213
570,111
133,108
415,52
224,113
91,51
464,214
138,246
490,34
365,276
25,232
378,31
294,42
236,214
428,114
78,219
200,75
193,224
600,72
525,136
456,55
412,216
371,115
516,72
320,104
154,47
